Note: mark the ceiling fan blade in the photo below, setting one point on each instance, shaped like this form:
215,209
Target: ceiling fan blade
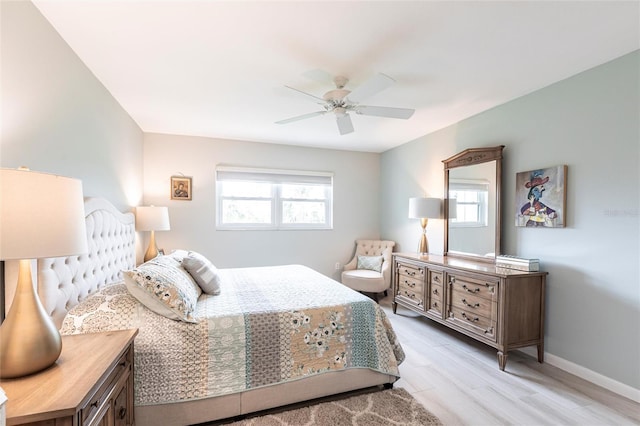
370,87
344,124
388,112
308,95
301,117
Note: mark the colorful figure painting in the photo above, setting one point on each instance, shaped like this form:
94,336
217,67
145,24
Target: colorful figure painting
541,197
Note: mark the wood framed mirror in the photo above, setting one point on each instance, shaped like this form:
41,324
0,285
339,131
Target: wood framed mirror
472,184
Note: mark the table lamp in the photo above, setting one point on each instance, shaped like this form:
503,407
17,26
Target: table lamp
424,209
453,208
152,219
41,215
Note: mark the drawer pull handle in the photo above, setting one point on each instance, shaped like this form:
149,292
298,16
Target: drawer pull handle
434,304
94,404
410,284
408,272
122,412
475,305
475,290
436,278
435,291
476,319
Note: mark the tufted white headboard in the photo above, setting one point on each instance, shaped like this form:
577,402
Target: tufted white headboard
63,282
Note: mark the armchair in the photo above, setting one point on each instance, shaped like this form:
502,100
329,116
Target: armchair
372,272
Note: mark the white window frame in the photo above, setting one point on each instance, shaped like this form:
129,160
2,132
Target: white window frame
482,188
276,178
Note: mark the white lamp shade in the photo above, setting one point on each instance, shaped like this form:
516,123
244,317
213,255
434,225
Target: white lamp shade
41,215
421,208
453,208
152,218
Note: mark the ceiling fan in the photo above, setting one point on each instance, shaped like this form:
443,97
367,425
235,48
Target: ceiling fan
341,102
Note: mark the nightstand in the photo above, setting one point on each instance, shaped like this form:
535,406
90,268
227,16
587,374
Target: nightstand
91,384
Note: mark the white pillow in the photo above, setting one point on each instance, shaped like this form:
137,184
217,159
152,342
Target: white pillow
203,272
164,287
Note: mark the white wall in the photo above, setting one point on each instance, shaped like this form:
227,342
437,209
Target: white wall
591,123
57,117
355,202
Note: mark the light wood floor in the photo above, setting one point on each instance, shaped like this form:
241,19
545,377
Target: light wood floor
458,380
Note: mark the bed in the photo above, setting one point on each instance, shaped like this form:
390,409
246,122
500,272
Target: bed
272,336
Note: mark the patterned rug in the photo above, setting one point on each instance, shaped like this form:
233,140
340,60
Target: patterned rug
383,408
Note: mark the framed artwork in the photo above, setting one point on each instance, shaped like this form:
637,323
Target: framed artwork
180,188
541,197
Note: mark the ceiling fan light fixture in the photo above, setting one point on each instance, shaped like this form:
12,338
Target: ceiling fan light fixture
336,94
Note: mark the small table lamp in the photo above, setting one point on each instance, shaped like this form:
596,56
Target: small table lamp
152,219
424,209
41,215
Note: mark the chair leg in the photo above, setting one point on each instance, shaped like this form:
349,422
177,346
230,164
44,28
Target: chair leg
385,293
375,297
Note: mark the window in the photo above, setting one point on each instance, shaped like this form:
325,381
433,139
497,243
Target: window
273,199
472,202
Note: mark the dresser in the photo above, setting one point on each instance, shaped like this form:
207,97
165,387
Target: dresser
503,308
90,384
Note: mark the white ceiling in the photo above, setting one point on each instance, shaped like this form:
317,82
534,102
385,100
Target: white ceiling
218,68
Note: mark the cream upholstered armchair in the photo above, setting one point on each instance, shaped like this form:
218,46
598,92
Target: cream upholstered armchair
370,269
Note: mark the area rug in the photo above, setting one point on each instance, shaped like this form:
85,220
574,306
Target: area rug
383,408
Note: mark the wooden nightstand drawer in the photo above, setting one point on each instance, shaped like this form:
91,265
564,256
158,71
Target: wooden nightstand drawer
104,394
85,387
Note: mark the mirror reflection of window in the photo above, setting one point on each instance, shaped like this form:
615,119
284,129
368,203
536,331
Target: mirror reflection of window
472,203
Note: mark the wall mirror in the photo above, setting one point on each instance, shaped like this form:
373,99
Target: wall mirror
472,212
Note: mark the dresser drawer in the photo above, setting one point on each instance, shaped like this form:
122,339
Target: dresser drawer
436,293
411,284
410,271
471,303
412,295
435,306
482,326
436,278
478,287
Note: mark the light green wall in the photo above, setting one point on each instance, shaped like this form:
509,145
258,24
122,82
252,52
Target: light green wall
57,117
590,122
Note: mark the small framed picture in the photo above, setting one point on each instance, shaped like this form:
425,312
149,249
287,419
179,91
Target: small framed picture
180,188
541,197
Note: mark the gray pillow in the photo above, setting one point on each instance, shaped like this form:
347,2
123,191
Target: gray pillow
203,272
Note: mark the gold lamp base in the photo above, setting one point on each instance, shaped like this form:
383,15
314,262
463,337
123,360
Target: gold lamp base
423,246
29,341
152,250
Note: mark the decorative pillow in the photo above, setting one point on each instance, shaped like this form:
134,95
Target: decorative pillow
179,254
203,272
372,263
164,287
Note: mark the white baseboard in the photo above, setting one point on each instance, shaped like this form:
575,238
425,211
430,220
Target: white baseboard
586,374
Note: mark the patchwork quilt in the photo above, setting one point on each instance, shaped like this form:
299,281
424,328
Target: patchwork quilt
268,325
